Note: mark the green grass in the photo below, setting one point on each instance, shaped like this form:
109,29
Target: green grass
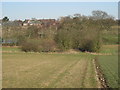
110,37
109,65
109,49
12,49
45,70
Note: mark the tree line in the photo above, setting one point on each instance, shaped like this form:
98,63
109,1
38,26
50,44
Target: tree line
73,32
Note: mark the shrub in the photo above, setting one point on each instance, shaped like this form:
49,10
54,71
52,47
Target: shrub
8,44
48,45
84,40
91,46
30,45
38,45
91,41
21,39
63,40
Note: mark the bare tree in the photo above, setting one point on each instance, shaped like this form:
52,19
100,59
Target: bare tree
98,14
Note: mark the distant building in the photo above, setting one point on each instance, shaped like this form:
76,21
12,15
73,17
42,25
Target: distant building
12,23
25,23
18,22
40,22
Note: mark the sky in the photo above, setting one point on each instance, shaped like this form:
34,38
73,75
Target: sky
40,10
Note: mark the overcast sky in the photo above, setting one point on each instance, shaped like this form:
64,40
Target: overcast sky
28,10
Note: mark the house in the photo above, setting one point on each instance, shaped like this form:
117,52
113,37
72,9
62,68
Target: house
32,22
18,22
35,22
43,23
25,23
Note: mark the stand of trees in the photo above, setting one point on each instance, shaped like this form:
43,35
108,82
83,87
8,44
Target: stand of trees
73,32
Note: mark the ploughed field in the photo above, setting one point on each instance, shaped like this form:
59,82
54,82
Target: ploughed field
45,70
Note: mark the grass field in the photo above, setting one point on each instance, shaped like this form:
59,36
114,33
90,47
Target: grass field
109,64
110,37
44,70
60,70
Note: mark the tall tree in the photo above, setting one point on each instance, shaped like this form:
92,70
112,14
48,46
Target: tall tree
5,19
104,20
100,15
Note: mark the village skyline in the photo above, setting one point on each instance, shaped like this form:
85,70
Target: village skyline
54,10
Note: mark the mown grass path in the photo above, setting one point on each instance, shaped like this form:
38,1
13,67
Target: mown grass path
40,70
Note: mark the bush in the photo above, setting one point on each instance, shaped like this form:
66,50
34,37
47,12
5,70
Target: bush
38,45
63,40
30,45
47,45
8,44
84,40
21,39
91,46
91,41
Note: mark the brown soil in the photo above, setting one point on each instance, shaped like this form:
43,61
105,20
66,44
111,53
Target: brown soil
71,51
99,53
